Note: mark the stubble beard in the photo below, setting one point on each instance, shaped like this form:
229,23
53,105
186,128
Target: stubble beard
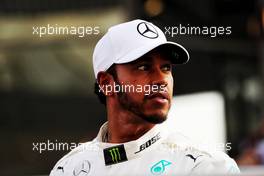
127,103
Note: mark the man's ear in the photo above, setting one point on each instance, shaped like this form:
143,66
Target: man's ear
105,82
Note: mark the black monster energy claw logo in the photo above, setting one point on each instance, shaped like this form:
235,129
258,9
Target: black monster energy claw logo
115,155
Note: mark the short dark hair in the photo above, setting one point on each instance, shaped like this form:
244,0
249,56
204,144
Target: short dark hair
97,91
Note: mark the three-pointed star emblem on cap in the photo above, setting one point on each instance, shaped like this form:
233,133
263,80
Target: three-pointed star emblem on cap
147,30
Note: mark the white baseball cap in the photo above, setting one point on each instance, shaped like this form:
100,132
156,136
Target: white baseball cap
129,41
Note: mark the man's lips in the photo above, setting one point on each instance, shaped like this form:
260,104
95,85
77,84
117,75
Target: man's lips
160,95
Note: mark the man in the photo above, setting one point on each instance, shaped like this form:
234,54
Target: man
133,68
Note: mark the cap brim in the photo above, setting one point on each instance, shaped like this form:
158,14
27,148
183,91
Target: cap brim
175,51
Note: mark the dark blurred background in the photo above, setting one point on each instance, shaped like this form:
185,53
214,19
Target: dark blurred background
46,83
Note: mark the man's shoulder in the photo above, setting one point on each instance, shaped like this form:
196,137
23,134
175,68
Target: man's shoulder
178,139
219,162
205,158
89,146
176,142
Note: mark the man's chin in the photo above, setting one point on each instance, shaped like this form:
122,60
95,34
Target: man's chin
155,118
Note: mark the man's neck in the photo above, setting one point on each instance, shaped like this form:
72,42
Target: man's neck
125,126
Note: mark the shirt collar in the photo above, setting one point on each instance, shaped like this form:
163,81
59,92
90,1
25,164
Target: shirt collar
136,147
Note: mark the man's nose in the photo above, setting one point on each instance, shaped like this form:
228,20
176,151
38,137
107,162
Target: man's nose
159,78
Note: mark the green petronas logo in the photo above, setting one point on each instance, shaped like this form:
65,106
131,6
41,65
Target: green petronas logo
115,155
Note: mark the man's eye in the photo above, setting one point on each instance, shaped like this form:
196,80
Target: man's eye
167,67
143,67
